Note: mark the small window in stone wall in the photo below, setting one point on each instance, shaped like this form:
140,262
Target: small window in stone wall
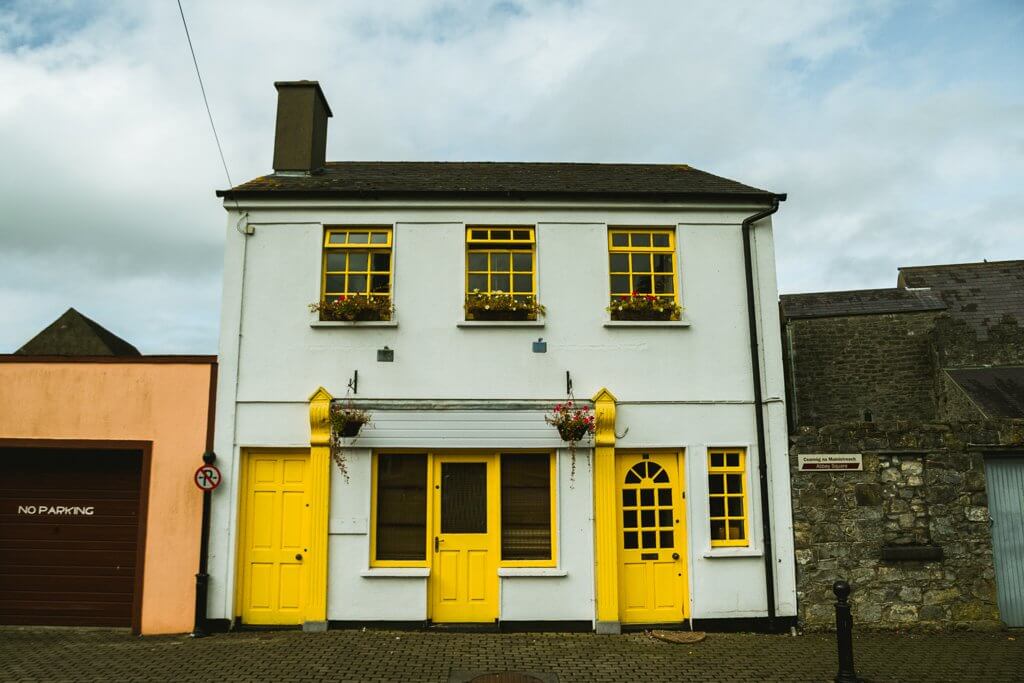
727,497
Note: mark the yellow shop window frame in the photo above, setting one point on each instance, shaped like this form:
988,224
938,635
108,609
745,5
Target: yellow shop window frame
492,500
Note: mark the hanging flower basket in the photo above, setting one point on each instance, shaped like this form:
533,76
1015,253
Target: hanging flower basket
573,424
574,432
346,421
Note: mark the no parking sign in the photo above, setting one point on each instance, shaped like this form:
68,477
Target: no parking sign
207,477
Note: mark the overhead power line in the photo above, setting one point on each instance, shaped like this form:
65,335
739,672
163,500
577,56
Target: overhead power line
206,101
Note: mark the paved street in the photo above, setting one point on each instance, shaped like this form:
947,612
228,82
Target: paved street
41,654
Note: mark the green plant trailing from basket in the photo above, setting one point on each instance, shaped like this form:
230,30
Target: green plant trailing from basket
574,423
354,308
346,421
638,306
501,306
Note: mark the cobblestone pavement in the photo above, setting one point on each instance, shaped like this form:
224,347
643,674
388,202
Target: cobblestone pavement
52,654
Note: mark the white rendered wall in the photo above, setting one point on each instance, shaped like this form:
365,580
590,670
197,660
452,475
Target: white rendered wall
680,387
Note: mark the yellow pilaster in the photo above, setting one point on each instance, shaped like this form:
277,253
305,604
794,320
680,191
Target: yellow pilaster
319,502
605,513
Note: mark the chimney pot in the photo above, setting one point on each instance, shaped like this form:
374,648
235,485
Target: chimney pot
300,138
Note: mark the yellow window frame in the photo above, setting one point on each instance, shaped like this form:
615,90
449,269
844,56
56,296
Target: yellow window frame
492,499
721,463
633,238
553,514
340,240
497,240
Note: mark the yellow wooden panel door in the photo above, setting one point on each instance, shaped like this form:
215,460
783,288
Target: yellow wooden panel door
652,542
464,576
274,537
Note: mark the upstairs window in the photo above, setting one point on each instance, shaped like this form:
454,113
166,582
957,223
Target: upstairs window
357,262
727,491
642,270
500,273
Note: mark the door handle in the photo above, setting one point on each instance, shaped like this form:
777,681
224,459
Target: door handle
298,556
437,544
675,556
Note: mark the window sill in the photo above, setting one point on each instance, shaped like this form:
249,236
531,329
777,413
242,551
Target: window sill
531,571
500,323
717,553
396,573
647,323
359,323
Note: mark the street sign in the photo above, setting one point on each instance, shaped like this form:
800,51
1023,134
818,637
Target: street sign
207,477
811,462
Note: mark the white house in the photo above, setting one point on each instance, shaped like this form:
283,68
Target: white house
458,502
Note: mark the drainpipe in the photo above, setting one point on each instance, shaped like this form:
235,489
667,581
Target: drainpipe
755,369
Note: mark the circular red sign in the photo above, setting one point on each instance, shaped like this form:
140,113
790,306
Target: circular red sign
207,477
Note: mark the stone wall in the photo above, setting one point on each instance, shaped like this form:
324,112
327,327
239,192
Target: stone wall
842,366
922,488
957,345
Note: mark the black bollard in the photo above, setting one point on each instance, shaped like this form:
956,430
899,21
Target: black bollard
844,633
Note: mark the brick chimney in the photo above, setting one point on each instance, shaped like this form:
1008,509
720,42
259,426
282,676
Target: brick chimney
300,139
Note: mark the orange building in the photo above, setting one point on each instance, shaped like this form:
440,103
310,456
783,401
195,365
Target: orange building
99,516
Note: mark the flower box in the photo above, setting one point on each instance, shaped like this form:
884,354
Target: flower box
638,306
500,306
354,308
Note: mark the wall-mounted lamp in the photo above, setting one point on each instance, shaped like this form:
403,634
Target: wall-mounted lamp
540,346
385,355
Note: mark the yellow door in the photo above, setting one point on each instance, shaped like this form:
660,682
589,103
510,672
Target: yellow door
274,537
464,575
652,538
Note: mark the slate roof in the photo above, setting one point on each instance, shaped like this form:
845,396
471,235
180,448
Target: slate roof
474,180
73,334
998,392
979,293
858,302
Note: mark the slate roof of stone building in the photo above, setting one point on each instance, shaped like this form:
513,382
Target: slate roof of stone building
73,334
858,302
435,179
998,392
978,293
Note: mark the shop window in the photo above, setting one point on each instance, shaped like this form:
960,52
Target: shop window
400,519
357,262
727,497
527,508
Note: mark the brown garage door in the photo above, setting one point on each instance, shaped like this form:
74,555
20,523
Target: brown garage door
69,527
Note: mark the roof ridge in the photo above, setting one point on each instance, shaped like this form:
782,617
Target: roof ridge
962,265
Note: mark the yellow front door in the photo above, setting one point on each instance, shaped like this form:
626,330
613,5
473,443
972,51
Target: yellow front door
464,575
652,538
274,536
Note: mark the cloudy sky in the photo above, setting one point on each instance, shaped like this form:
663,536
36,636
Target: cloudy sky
896,128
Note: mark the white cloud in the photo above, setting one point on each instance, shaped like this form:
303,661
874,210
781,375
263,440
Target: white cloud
109,166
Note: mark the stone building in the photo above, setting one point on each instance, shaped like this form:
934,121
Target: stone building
924,384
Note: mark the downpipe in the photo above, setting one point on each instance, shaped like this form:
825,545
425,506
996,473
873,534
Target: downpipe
755,367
